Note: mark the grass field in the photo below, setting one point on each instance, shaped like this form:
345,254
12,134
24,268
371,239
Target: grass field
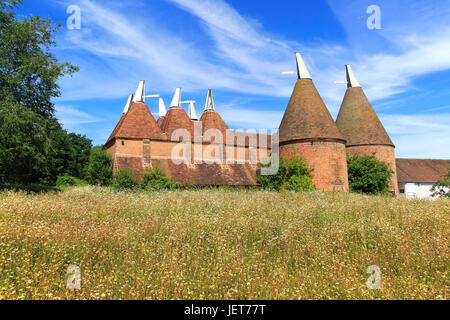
221,244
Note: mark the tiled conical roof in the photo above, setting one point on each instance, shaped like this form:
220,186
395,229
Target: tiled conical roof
306,116
177,118
357,120
160,123
213,120
137,123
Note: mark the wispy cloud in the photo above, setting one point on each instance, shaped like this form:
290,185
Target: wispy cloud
72,118
117,48
419,136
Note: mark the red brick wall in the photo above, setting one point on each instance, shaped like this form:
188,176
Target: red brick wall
383,153
328,160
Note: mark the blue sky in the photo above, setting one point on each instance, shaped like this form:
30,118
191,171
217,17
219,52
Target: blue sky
239,49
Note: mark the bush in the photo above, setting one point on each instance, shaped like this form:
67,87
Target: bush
294,174
442,187
302,183
156,179
99,170
125,179
368,175
67,181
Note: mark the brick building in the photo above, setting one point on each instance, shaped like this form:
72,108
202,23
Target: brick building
205,152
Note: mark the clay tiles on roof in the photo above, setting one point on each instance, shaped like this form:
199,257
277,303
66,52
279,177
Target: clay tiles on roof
307,117
138,123
160,123
175,119
358,122
213,120
421,170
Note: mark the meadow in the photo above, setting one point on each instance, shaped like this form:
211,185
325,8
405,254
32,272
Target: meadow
221,244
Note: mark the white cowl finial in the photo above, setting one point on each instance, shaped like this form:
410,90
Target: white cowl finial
140,92
209,105
128,105
176,99
302,70
192,113
162,108
352,82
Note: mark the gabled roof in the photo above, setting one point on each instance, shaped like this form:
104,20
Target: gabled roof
137,123
357,120
421,170
307,117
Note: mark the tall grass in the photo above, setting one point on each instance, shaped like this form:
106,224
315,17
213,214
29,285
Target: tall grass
221,244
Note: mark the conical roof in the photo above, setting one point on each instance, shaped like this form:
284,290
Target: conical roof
137,123
307,117
213,120
357,120
177,118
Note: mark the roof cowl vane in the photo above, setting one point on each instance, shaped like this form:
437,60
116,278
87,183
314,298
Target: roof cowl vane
209,105
352,81
302,71
176,99
128,105
192,112
162,108
140,92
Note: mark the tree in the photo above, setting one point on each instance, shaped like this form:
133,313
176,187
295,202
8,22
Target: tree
99,170
294,174
80,149
442,187
28,71
23,144
33,146
368,175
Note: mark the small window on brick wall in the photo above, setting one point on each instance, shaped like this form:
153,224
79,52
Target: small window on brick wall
123,142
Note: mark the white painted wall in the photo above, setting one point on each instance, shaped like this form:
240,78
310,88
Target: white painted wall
416,190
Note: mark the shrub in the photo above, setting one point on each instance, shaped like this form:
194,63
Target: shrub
442,187
302,183
156,179
125,179
368,175
294,174
99,170
67,181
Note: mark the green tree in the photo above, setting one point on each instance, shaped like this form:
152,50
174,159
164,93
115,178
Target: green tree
294,174
368,175
80,149
442,187
33,146
23,144
28,70
99,170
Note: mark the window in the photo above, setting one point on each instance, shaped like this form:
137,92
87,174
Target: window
123,142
